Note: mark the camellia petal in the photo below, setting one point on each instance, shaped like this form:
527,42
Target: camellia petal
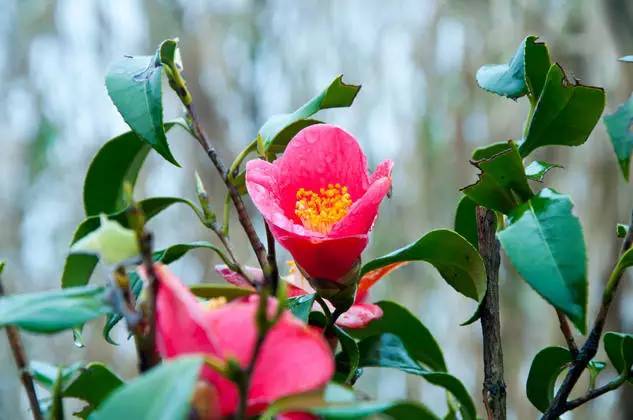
359,315
294,358
319,200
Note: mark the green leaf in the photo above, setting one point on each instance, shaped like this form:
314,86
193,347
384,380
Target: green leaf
594,367
78,268
454,257
111,242
387,350
134,85
466,220
92,384
118,161
177,251
45,374
279,129
502,184
621,135
301,306
546,366
417,339
348,358
55,310
163,393
621,230
56,410
505,79
536,170
537,64
338,402
544,242
210,291
565,114
619,348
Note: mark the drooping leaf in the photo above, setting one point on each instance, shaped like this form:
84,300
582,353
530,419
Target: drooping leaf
163,393
91,384
452,255
228,291
536,170
111,242
537,64
55,310
619,348
544,242
387,350
505,79
118,161
338,402
502,184
417,339
134,85
466,220
78,268
300,306
279,129
621,134
565,114
546,366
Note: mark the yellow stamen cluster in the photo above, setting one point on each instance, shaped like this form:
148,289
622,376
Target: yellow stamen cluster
319,211
216,303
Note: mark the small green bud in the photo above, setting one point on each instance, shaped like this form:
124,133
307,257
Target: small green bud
203,199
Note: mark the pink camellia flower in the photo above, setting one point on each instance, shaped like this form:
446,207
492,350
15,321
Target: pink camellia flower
319,200
294,357
359,315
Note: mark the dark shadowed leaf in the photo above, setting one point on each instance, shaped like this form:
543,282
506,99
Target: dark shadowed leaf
466,220
565,114
136,285
502,184
619,348
163,393
118,161
620,133
91,384
505,79
451,254
546,366
536,170
279,129
134,85
348,358
414,335
55,310
388,350
544,242
537,64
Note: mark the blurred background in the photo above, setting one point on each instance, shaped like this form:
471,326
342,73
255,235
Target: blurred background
246,60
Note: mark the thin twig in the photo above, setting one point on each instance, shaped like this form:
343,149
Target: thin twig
242,214
494,388
566,330
21,361
595,393
560,405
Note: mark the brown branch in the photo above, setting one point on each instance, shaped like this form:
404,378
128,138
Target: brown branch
494,388
242,214
146,337
560,405
566,330
21,361
595,393
272,260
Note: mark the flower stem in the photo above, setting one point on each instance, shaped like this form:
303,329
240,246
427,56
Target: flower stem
566,330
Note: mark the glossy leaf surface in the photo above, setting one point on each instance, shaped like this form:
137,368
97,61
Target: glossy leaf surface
545,368
544,241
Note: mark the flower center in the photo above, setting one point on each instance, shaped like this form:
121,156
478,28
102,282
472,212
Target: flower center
319,211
